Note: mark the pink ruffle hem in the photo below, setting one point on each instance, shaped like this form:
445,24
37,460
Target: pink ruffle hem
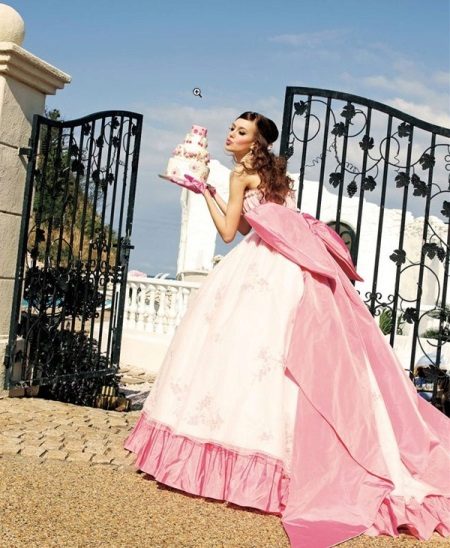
419,519
208,469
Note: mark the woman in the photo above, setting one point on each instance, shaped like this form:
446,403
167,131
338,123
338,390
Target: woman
251,402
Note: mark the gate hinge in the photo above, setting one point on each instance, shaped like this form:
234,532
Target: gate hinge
25,151
6,357
125,246
125,243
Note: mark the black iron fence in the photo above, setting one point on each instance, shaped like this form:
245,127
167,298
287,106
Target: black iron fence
72,262
381,178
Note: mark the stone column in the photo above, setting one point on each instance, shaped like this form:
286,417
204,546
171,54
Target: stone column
25,81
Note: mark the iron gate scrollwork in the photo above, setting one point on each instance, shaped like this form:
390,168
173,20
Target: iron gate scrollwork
357,159
69,296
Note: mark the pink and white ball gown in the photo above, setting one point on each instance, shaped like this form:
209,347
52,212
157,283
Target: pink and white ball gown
279,392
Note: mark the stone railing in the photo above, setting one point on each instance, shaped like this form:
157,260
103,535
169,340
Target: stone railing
156,305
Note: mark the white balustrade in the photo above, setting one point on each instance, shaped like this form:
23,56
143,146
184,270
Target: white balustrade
140,312
161,320
173,309
131,301
155,305
151,310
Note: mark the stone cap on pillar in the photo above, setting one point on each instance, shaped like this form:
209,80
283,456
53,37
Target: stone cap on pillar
12,26
25,67
20,64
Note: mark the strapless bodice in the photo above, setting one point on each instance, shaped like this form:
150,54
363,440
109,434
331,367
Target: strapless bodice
253,197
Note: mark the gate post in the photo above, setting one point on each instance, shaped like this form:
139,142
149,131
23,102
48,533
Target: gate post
25,81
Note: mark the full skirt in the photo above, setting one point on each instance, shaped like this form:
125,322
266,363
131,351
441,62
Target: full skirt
219,420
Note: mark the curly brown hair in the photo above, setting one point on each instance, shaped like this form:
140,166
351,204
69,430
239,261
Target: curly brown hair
275,184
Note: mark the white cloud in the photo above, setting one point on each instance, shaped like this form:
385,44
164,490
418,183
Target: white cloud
309,39
409,87
434,114
403,83
165,126
442,77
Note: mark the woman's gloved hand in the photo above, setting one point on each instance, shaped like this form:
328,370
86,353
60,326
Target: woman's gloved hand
198,186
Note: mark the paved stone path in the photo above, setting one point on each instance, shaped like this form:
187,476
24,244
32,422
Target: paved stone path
33,427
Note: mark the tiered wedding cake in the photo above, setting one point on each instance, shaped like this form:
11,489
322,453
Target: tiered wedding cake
191,157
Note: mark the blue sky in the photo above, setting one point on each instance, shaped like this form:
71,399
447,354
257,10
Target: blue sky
147,56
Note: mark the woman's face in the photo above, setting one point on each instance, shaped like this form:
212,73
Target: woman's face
240,137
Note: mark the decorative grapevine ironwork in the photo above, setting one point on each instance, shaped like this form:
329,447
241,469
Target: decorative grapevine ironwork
367,143
395,152
73,256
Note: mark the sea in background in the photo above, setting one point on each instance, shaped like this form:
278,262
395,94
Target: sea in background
160,252
162,263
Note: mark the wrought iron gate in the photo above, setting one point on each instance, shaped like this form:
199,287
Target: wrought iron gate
69,295
357,158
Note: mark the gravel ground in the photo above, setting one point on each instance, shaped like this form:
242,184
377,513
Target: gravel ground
71,504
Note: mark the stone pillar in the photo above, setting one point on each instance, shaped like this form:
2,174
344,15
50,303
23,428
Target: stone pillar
25,81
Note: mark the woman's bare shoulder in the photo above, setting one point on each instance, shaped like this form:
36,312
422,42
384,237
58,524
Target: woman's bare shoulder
247,180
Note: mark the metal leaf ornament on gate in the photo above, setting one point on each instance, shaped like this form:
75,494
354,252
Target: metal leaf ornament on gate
348,146
369,183
420,187
69,297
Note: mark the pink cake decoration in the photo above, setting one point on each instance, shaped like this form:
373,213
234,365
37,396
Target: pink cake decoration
199,130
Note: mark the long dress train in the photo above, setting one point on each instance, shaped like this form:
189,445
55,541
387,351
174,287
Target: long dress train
252,403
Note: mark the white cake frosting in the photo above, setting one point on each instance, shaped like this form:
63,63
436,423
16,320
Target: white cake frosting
191,157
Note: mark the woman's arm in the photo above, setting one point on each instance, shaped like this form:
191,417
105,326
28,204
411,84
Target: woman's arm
220,202
243,227
228,224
